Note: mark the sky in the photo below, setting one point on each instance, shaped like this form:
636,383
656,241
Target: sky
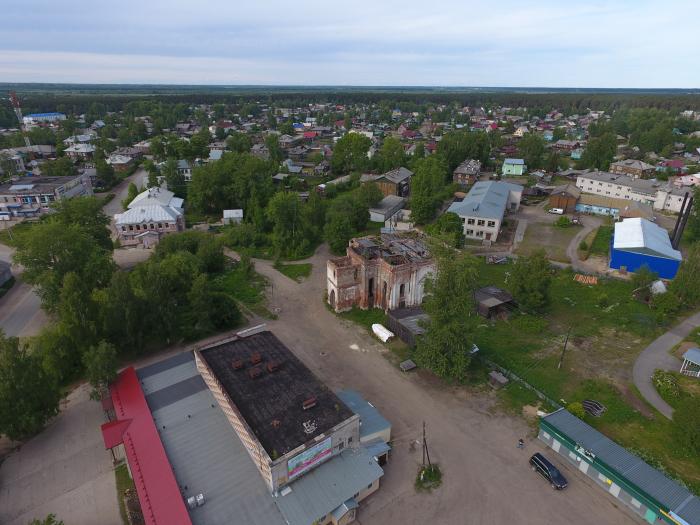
544,43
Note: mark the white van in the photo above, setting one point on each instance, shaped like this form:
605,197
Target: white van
556,211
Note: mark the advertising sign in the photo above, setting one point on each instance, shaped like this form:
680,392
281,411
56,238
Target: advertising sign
308,459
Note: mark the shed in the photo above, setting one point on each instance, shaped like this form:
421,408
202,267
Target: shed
407,323
492,301
565,197
386,208
233,216
638,242
691,362
622,475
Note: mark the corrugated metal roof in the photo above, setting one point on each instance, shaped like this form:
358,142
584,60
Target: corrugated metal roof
144,214
692,354
328,486
628,466
643,236
486,199
206,454
156,487
371,421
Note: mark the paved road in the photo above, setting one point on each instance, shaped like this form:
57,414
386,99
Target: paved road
65,470
657,356
486,478
589,224
20,308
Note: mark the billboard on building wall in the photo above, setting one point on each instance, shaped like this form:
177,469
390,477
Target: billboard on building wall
308,459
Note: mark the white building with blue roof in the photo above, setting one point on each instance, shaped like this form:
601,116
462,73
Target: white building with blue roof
484,207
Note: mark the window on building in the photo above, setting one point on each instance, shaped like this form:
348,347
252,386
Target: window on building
160,225
492,224
470,221
369,486
131,227
341,445
470,232
138,227
481,222
349,440
479,233
123,228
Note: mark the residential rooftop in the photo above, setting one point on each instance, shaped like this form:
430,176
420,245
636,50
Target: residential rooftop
271,387
486,199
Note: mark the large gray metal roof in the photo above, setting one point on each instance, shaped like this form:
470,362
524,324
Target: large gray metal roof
328,486
628,466
206,454
486,199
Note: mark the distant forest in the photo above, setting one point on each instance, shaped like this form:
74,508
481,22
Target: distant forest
77,99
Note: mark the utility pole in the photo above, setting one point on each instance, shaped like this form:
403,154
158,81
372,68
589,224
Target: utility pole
426,452
566,342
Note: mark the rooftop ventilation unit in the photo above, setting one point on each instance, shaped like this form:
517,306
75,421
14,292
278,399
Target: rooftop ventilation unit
200,499
255,358
276,423
309,403
237,364
272,366
254,373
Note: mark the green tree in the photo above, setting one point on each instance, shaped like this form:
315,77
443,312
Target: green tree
530,280
239,142
131,192
370,194
427,185
211,309
448,228
174,179
531,148
457,146
273,147
600,152
350,153
50,250
693,226
61,167
87,213
686,285
28,394
288,226
49,520
391,155
446,345
101,364
104,173
286,128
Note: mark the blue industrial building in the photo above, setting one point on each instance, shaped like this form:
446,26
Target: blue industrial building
638,242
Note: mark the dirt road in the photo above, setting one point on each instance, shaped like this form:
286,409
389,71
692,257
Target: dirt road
486,478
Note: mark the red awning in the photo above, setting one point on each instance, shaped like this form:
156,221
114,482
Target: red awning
158,491
113,432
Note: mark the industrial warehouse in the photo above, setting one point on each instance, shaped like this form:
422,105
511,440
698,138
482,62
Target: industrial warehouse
645,490
241,428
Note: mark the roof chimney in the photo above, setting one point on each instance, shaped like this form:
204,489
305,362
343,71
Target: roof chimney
237,364
255,358
254,373
309,403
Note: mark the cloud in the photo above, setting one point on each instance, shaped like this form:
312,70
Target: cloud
380,42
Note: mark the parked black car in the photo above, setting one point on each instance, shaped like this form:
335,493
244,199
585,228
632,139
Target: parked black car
548,471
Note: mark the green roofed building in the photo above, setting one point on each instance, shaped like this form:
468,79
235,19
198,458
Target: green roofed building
623,475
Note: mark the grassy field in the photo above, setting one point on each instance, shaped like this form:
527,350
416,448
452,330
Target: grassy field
296,272
124,482
8,236
548,237
247,287
608,329
601,241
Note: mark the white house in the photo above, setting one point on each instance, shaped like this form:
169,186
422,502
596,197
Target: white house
484,207
152,214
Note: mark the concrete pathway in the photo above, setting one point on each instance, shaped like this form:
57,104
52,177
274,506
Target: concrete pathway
589,224
657,356
65,470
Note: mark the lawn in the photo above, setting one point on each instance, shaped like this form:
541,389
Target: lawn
552,239
296,272
247,287
124,482
608,330
8,235
601,241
